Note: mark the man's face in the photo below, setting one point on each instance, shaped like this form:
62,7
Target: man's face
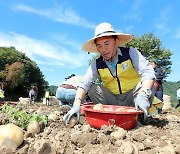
107,47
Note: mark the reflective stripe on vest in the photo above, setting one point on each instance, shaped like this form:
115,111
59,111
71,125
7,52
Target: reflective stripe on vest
126,76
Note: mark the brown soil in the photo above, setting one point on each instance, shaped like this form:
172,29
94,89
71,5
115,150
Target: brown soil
160,136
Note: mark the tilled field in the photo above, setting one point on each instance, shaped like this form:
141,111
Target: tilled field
160,136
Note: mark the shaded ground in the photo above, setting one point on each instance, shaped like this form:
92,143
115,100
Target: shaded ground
161,136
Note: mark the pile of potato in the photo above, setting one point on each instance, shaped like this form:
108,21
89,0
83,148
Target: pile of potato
100,107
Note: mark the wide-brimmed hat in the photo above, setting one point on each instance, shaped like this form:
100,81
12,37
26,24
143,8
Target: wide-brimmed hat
105,29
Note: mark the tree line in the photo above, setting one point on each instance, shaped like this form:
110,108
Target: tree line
18,73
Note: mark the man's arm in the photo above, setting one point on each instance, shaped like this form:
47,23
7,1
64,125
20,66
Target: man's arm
147,83
142,66
80,94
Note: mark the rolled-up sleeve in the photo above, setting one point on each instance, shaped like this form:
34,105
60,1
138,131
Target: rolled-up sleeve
90,76
142,65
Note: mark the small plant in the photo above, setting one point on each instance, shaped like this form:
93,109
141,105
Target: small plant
20,117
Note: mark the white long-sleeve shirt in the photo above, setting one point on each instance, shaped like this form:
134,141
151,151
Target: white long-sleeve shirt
73,81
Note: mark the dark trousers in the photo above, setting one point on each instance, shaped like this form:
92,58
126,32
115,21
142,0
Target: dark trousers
159,95
159,92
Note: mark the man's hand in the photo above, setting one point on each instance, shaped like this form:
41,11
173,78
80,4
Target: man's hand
74,110
142,103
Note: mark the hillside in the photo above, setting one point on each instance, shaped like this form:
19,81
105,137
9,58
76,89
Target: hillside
170,89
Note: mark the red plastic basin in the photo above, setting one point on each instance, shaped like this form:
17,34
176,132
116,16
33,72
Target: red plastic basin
82,112
126,120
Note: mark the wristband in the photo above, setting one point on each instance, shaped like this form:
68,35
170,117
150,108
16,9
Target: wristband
147,91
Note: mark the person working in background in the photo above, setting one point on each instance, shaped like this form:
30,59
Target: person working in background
32,94
159,77
178,98
128,78
47,95
67,90
2,98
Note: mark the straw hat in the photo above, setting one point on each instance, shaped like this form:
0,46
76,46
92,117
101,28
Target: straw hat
105,29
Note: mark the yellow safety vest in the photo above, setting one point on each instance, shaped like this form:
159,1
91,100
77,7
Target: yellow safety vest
47,94
126,76
1,94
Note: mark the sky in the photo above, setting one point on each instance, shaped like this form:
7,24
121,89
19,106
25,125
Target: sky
52,32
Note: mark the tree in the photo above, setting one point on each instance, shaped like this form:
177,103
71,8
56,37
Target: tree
19,73
150,47
53,89
13,75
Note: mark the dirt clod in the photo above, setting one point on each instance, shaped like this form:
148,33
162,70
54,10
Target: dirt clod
161,135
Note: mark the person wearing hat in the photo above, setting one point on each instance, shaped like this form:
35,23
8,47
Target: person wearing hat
126,75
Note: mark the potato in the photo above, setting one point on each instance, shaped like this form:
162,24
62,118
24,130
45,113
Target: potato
118,134
120,109
131,110
13,132
107,109
33,127
72,122
53,117
98,107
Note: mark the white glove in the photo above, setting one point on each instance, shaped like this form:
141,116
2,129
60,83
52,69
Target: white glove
142,103
75,110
